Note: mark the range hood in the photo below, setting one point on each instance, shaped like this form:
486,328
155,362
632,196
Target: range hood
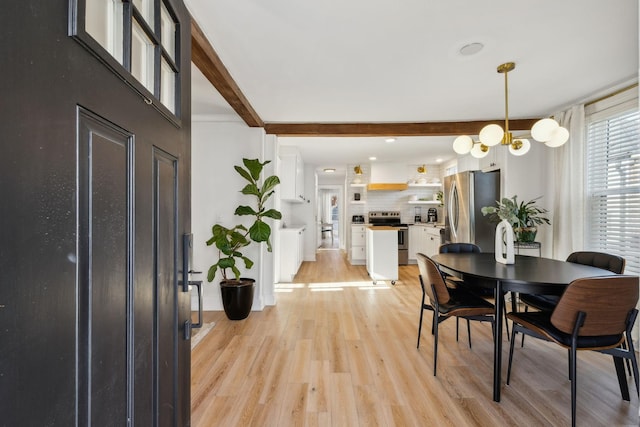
388,177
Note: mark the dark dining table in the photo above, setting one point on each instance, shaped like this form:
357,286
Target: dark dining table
528,275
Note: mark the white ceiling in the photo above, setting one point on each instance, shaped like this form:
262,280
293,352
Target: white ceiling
392,61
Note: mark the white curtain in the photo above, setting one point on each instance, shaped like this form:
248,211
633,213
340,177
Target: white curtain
567,173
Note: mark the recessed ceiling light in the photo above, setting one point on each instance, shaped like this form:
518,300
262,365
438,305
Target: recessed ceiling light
372,158
438,160
390,140
329,170
471,49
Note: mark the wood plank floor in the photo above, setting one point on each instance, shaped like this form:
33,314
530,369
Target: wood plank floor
338,351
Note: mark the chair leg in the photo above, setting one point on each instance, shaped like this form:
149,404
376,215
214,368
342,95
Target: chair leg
513,340
504,309
435,342
468,331
573,362
457,324
624,346
634,365
526,309
420,324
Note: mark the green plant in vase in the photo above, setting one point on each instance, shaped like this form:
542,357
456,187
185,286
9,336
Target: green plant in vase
237,292
524,217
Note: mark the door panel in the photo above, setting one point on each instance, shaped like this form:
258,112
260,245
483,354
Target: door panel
104,257
166,286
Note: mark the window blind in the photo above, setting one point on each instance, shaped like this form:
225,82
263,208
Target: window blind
613,181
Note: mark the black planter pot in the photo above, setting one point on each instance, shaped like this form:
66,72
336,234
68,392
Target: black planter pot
237,297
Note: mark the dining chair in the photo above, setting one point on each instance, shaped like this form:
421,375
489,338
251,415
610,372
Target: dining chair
602,260
453,281
592,314
326,227
446,303
605,261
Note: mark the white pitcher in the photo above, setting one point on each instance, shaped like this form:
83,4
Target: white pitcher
505,253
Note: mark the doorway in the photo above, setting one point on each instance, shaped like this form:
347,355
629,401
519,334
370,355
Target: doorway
330,212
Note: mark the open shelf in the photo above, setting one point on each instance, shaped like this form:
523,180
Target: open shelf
432,185
424,202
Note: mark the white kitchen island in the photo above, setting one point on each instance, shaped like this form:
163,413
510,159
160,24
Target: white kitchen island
382,253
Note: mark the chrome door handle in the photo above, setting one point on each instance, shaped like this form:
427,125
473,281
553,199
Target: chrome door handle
198,285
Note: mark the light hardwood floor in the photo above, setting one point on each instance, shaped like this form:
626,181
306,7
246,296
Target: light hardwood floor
338,351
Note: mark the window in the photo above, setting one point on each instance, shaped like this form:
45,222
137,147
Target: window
613,177
141,36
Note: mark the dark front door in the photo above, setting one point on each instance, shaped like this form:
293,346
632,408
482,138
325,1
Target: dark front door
94,200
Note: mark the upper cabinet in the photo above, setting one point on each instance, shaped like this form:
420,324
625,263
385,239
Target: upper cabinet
291,176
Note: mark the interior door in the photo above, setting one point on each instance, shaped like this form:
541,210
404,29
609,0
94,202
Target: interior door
95,198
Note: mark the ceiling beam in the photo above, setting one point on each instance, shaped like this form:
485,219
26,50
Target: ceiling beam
208,62
391,129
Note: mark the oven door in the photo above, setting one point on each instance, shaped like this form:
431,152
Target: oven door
403,246
403,238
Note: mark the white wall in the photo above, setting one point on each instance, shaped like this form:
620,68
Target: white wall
526,177
216,148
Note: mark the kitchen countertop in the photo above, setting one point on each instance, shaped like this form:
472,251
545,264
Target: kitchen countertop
381,228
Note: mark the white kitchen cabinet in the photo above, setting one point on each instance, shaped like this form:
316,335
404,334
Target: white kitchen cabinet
466,162
292,253
496,159
415,239
358,243
432,240
425,239
292,177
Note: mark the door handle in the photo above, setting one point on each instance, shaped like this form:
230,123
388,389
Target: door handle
198,285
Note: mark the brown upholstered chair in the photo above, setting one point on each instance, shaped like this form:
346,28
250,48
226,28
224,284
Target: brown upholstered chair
454,282
446,303
592,314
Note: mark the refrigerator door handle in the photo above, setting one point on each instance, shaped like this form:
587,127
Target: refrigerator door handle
453,210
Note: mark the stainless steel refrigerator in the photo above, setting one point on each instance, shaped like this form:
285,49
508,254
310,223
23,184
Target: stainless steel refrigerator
465,194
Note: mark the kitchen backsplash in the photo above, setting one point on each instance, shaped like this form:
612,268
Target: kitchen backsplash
394,200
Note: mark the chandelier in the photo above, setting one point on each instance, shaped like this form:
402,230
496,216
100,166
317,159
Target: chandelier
546,130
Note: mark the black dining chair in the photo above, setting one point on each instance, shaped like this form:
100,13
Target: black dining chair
592,314
446,303
613,263
453,281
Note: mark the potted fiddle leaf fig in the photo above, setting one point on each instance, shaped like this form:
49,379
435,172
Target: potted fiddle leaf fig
237,292
524,217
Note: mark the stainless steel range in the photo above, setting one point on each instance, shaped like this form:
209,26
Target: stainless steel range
392,219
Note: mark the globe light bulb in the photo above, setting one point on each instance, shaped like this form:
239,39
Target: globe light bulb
462,144
520,149
543,129
491,135
558,137
479,151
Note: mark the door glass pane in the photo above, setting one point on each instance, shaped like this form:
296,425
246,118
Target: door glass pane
141,56
103,21
145,7
168,86
168,32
